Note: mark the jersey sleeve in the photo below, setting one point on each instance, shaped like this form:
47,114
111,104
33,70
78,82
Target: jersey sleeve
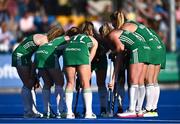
59,41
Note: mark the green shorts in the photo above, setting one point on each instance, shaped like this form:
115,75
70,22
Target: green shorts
163,61
76,55
140,55
158,54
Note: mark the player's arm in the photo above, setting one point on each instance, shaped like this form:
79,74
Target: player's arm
117,66
40,39
34,76
114,38
94,48
62,46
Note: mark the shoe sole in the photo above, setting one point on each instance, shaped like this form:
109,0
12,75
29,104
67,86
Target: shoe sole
90,117
129,116
70,117
140,115
149,116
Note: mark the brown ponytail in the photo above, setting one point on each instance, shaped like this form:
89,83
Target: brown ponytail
87,28
73,31
54,32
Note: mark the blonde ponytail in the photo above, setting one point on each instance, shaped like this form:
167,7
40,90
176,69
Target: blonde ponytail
119,19
105,29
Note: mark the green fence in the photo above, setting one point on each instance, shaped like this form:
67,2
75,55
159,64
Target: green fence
172,72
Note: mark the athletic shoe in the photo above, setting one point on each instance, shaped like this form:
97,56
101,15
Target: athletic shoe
90,116
127,114
155,113
49,115
120,110
103,112
32,115
148,113
61,115
110,114
70,116
58,115
41,115
140,113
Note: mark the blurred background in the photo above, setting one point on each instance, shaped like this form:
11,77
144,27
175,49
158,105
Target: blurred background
19,18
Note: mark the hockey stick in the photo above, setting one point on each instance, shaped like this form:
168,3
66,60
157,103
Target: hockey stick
114,96
110,98
110,94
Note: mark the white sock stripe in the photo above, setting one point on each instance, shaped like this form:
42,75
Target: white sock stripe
156,85
150,85
135,85
87,90
141,86
68,91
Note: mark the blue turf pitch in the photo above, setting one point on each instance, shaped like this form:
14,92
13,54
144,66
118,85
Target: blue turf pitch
11,110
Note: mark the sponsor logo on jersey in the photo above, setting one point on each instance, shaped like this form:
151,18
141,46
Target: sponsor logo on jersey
146,47
50,44
73,49
42,51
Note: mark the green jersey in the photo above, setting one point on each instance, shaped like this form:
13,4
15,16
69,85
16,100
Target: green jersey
47,55
139,50
77,51
23,53
142,32
154,42
162,50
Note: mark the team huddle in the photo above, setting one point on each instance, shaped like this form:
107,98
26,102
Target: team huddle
134,47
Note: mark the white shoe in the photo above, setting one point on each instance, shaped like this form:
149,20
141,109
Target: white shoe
155,113
58,115
41,115
90,116
70,116
127,114
149,114
32,115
